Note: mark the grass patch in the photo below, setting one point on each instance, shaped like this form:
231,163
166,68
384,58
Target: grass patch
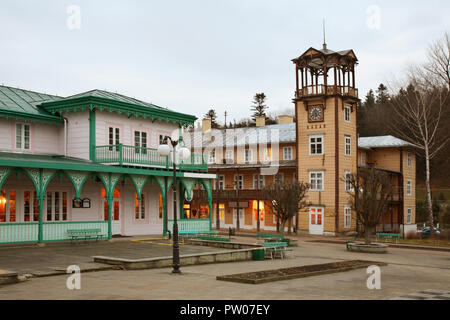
297,272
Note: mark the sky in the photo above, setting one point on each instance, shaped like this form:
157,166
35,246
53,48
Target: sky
191,56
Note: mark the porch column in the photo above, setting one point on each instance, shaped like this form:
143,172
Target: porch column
164,201
110,201
40,197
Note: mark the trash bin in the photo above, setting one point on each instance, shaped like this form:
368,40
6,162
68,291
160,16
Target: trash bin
258,254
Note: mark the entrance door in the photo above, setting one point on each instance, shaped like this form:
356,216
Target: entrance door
316,220
241,218
116,226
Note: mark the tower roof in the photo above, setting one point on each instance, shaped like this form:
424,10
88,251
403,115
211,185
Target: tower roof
315,58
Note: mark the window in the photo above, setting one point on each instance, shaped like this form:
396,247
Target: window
248,155
22,136
255,182
114,138
212,156
287,153
238,182
347,217
316,145
30,207
140,142
267,154
160,206
294,177
139,207
316,180
348,145
279,178
348,186
8,206
221,182
409,159
363,158
57,206
409,216
347,111
229,156
408,187
161,139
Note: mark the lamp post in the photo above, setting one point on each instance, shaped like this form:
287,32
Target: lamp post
184,153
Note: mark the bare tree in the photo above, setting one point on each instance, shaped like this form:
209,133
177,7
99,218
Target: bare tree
370,191
419,113
288,198
438,63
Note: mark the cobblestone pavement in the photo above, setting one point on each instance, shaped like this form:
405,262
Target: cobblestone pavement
426,295
408,271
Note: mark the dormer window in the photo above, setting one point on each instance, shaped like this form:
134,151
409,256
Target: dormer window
23,136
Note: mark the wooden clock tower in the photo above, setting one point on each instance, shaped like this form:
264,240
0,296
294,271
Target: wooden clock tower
325,106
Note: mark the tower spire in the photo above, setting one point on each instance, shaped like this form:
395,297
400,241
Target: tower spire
324,46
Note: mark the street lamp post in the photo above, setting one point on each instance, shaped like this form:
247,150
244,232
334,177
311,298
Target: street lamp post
184,153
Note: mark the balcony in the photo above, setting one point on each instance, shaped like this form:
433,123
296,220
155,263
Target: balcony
321,90
123,155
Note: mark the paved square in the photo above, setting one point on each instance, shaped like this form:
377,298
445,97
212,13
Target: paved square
408,272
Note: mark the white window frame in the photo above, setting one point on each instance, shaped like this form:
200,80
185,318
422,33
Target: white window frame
409,159
20,140
348,145
248,155
363,158
262,181
347,113
347,217
229,156
285,152
51,207
141,207
279,177
238,182
408,215
161,139
347,187
115,139
408,187
141,144
313,180
221,182
212,156
315,143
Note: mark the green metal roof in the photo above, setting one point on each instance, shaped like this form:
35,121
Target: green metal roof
114,96
23,104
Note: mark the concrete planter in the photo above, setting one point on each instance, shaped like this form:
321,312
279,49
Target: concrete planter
367,248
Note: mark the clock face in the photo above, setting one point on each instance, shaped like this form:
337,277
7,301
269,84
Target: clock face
316,113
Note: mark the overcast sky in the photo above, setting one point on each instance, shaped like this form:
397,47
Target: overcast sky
193,55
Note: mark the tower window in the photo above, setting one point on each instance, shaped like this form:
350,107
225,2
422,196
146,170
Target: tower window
316,180
316,145
347,111
348,145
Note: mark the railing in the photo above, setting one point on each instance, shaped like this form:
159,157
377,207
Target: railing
18,232
52,231
232,195
139,156
57,231
190,224
317,90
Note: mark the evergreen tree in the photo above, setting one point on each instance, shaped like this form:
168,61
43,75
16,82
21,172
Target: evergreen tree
211,115
259,107
382,94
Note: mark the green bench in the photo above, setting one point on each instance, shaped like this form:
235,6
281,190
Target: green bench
266,236
385,236
213,238
84,234
273,248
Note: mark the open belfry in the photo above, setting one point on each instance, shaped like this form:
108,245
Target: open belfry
326,133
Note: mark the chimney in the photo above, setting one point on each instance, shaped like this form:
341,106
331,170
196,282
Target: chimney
283,119
260,121
206,125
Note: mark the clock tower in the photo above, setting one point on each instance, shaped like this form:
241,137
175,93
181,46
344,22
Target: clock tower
325,106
